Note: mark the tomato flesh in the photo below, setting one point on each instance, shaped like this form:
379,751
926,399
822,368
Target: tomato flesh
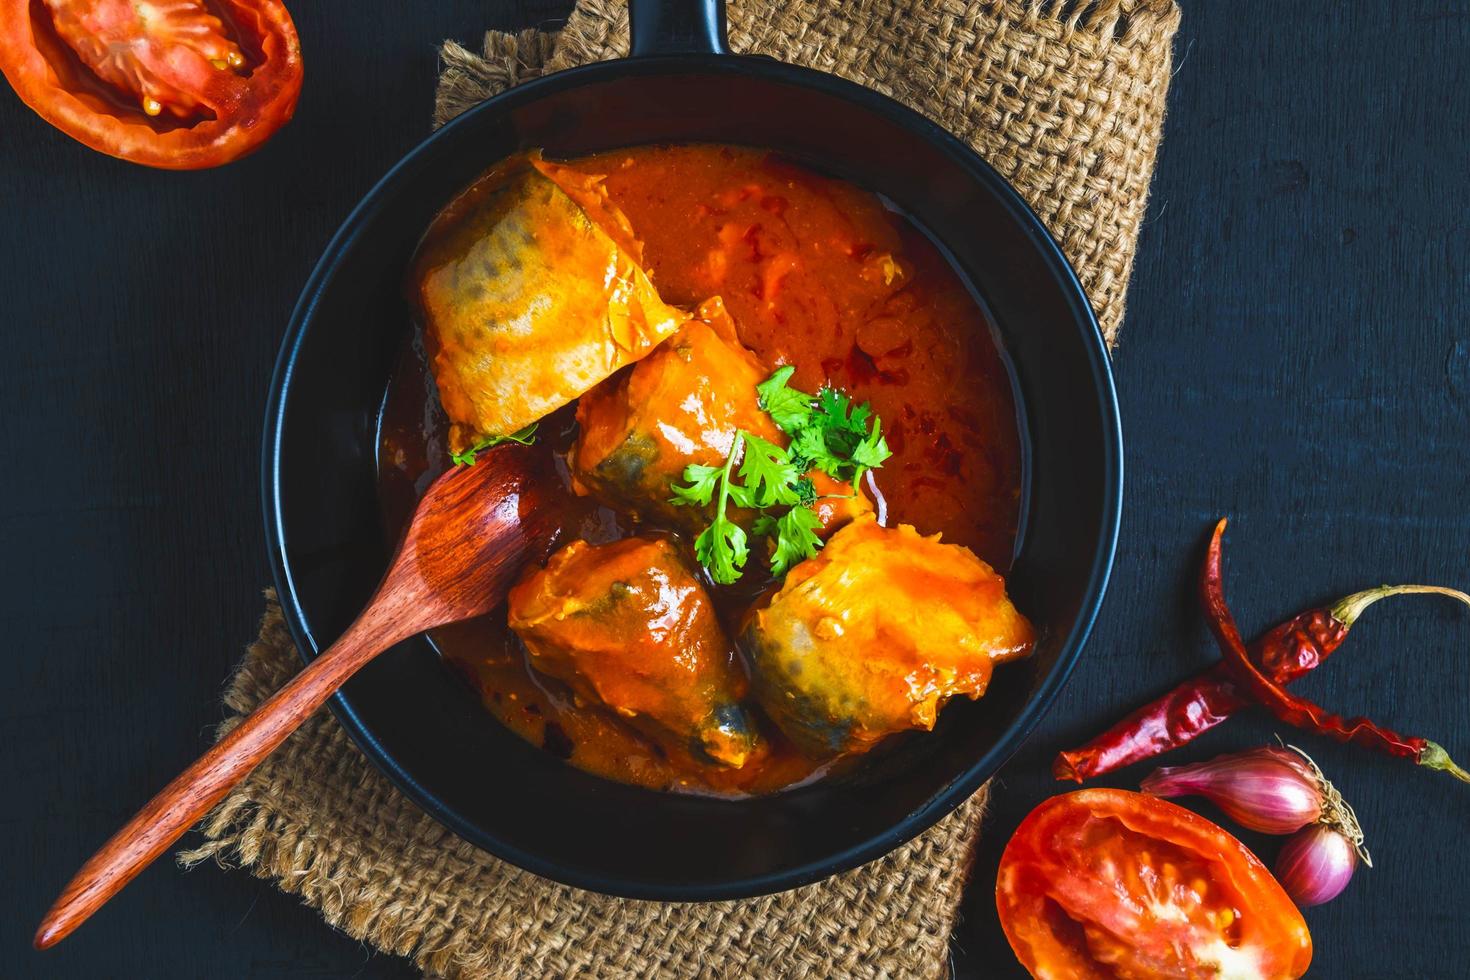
168,55
179,84
1106,883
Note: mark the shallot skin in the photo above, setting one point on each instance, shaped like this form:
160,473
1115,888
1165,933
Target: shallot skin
1269,789
1316,865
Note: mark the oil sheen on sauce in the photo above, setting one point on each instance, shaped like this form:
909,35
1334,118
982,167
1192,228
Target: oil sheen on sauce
816,273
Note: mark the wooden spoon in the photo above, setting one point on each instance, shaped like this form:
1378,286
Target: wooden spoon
469,536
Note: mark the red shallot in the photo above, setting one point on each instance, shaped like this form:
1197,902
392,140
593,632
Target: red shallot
1280,790
1269,789
1316,865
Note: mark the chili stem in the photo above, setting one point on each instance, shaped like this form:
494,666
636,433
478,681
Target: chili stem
1433,756
1348,610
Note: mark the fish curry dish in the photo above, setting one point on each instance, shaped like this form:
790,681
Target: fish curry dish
784,449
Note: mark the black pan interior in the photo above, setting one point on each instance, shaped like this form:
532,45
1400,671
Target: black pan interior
427,729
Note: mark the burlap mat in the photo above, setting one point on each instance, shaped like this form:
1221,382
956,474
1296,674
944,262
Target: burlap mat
1066,99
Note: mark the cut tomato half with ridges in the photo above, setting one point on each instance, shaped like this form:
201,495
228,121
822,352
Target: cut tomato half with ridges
1103,883
177,84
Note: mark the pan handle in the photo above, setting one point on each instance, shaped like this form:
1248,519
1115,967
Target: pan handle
677,27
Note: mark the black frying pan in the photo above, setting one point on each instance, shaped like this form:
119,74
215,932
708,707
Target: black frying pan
427,731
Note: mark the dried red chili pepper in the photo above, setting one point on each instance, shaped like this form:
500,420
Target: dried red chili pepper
1286,652
1286,706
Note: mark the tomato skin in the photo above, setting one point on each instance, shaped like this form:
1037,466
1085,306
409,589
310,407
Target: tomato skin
1106,883
247,108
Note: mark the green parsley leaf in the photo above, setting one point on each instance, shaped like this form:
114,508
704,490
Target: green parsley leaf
721,548
809,449
743,496
768,473
724,550
525,437
870,452
789,408
827,432
832,409
796,539
701,482
764,526
836,441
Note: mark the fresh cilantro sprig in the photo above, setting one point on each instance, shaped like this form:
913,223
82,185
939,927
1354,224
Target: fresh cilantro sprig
827,433
525,437
766,478
769,474
721,547
788,408
796,537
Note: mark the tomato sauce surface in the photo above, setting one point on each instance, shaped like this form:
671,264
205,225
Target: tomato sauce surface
818,274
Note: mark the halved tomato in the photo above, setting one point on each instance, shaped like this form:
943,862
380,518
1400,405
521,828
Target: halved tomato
1107,883
178,84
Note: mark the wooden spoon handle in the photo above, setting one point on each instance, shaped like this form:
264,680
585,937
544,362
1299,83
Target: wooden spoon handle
185,801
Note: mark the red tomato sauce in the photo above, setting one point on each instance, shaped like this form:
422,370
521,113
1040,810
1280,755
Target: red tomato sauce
816,273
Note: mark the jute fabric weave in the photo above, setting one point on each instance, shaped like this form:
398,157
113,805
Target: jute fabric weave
1066,99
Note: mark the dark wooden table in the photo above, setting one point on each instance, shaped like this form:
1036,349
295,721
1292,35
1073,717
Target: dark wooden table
1296,355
